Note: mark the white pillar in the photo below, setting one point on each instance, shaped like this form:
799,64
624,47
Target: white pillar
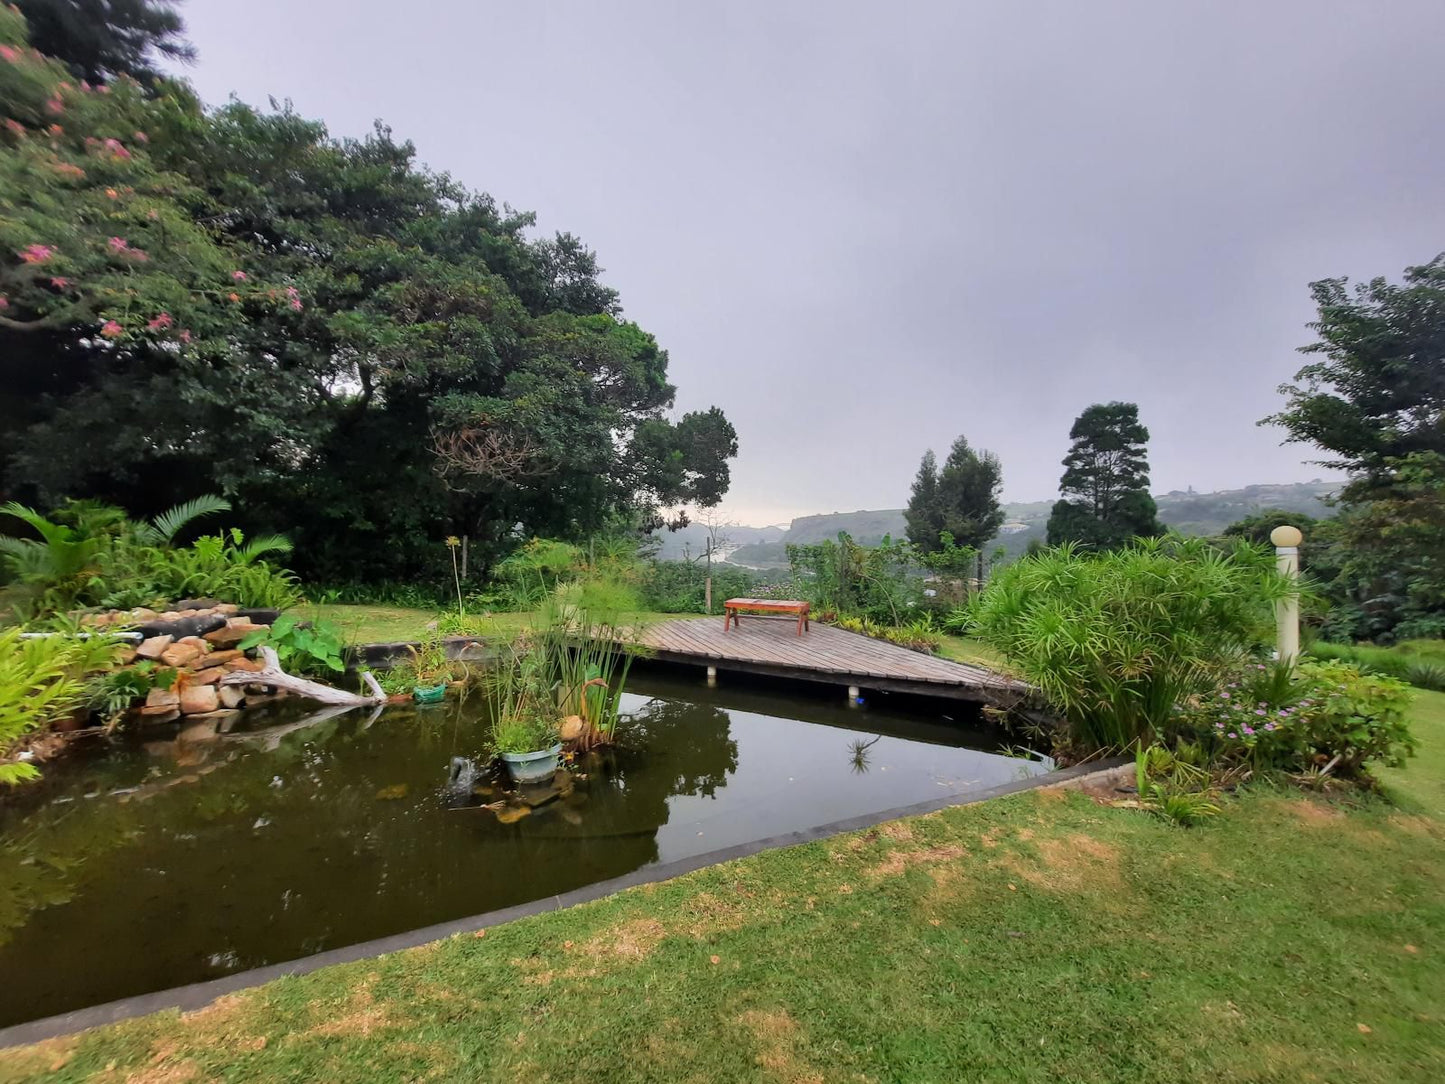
1286,541
711,676
852,696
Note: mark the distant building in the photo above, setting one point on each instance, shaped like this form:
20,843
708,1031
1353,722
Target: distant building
1013,528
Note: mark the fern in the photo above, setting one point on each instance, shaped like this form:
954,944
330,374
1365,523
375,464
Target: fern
162,530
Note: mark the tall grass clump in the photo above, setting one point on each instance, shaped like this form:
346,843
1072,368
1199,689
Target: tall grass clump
1115,641
42,679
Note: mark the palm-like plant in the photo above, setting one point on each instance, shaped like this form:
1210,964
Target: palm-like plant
1116,641
48,573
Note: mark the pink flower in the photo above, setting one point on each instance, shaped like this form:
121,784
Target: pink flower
55,105
161,322
36,253
15,127
9,53
152,215
4,302
234,297
118,244
239,276
139,255
59,283
185,336
112,193
116,148
67,169
296,303
111,330
141,137
294,297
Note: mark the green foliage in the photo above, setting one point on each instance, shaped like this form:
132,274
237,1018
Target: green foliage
101,39
842,577
42,678
677,587
961,500
1331,719
1105,486
1419,662
1173,787
918,635
313,647
526,577
429,664
1115,640
112,693
106,559
413,365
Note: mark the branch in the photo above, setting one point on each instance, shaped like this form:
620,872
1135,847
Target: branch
487,451
274,676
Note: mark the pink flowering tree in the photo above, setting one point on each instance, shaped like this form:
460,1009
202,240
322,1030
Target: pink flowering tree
97,240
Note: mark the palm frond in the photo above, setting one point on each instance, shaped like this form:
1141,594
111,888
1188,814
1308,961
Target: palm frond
264,544
169,523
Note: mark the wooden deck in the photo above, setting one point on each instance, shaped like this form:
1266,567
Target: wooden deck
764,645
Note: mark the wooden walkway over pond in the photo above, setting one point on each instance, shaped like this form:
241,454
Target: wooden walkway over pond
771,646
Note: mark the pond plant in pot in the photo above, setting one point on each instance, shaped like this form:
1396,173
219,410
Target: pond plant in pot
431,671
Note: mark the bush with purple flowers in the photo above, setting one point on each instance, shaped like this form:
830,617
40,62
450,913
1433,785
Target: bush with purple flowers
1325,716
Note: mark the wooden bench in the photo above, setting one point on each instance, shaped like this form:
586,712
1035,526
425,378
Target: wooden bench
734,606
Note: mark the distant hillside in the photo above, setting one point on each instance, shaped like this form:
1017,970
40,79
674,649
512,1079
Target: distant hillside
1186,511
691,541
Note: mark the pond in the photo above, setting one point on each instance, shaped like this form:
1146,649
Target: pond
173,857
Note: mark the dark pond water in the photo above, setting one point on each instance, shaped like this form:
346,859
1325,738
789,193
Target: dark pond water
163,860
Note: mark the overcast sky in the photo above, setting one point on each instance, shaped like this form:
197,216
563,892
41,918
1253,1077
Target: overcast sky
863,229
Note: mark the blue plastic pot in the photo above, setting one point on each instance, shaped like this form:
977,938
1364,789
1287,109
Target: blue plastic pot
533,767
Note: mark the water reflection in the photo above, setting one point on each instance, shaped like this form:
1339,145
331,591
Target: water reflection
194,853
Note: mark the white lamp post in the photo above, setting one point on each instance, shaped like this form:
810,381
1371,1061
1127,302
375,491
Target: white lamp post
1286,541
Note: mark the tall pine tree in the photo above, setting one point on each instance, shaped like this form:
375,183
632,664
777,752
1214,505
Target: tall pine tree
961,499
1105,498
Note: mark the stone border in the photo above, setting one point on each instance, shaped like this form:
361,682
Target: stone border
199,994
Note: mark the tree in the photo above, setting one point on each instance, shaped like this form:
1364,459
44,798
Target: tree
1105,486
101,39
924,515
1376,394
961,500
350,347
1375,398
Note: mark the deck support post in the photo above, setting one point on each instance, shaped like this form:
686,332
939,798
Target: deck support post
711,677
853,695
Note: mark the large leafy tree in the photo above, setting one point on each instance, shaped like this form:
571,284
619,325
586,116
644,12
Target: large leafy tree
1105,499
355,349
960,500
100,39
1373,395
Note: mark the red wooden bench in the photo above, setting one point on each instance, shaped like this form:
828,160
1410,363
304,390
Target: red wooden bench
734,606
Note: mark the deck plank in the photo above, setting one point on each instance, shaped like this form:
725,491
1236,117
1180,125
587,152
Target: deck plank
822,652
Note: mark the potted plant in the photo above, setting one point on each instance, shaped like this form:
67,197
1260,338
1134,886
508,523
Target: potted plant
431,672
528,746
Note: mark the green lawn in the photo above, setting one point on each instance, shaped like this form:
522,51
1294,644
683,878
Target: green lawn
1035,938
390,624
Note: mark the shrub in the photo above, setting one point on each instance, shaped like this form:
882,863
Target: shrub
42,680
879,582
1115,640
1415,661
303,648
1331,719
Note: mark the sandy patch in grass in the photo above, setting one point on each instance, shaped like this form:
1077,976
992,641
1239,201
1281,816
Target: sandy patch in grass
166,1073
900,860
776,1035
1314,813
1079,863
49,1056
1416,824
360,1016
634,940
898,831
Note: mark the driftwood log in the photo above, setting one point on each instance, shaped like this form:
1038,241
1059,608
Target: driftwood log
277,678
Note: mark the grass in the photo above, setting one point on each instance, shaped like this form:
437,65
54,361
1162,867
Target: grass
392,624
962,649
1036,938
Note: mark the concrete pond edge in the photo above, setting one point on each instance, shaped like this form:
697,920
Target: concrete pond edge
1095,775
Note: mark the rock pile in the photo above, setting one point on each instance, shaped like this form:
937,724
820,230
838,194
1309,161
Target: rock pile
199,643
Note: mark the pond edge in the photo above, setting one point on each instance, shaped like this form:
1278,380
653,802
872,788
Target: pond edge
197,995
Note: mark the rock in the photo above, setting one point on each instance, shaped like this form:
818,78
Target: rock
216,658
226,608
230,696
243,663
160,714
152,648
198,731
180,655
534,795
195,641
144,613
239,623
125,656
198,604
210,676
162,698
199,698
230,635
511,814
391,793
572,728
181,626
